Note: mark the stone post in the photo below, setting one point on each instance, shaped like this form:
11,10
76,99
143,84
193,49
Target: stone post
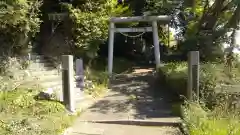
68,82
110,48
156,43
79,74
193,76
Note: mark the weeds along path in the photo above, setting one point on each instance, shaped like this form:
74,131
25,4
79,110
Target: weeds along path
134,106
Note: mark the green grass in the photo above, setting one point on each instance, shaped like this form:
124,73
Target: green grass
202,121
99,79
21,114
120,65
97,73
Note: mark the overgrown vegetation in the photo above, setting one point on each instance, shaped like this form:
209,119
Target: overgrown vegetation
22,114
212,77
218,121
20,111
217,113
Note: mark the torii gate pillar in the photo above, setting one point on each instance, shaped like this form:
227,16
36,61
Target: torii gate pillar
154,29
110,48
156,44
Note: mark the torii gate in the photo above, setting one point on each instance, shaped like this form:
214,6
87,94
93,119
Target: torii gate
164,20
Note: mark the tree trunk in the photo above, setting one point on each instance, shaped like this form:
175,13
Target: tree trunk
211,17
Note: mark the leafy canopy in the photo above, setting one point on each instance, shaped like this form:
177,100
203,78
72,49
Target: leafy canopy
19,22
89,21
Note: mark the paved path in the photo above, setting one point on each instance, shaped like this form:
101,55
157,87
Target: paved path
133,107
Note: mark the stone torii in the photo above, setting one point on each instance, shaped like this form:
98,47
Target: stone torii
154,29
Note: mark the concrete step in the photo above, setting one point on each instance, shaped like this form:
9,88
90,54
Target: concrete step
38,72
46,83
43,79
44,73
43,66
86,128
51,84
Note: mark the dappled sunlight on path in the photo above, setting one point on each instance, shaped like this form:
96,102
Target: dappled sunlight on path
133,103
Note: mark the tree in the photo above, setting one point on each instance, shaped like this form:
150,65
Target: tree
89,24
19,22
201,25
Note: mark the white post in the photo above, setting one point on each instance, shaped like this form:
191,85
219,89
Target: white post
110,48
68,82
156,43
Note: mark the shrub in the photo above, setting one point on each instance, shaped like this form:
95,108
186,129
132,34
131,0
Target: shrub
96,82
174,77
201,121
212,76
19,22
21,114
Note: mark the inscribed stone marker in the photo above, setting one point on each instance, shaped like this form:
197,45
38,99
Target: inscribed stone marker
68,82
193,75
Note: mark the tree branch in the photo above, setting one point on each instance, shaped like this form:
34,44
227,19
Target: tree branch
232,23
228,6
211,17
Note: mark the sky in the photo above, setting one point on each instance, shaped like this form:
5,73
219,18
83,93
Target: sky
238,39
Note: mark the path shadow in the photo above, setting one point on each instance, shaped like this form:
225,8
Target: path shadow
141,92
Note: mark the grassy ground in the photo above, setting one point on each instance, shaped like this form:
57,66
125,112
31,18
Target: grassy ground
120,65
219,119
21,114
99,82
202,121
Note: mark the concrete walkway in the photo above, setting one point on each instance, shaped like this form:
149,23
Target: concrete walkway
133,107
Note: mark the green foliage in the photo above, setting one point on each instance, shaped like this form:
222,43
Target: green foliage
201,25
120,65
96,82
98,77
212,77
202,121
97,74
157,7
174,77
19,22
90,24
21,114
